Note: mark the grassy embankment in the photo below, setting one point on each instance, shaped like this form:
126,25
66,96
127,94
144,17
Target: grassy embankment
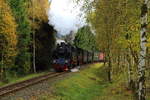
12,80
90,84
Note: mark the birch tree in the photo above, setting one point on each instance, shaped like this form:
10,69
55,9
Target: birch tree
142,56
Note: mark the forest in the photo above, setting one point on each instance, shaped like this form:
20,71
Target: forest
122,28
121,32
24,35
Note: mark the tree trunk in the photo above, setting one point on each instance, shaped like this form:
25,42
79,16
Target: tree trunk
118,62
109,68
130,71
34,45
2,70
142,56
34,67
104,58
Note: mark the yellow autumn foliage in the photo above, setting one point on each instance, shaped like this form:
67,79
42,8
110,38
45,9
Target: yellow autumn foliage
38,12
8,37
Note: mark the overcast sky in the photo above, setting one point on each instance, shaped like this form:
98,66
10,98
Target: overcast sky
66,16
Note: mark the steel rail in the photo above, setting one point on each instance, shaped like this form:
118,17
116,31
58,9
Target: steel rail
5,90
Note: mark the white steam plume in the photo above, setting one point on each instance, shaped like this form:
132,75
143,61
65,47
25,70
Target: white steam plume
66,16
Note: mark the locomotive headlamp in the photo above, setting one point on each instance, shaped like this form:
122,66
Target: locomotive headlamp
54,61
66,61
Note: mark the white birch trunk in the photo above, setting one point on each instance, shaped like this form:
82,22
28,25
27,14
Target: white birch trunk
130,71
142,56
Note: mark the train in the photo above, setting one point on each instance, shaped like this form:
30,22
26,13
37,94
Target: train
66,56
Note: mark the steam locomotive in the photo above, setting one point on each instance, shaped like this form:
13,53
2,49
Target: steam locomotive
66,57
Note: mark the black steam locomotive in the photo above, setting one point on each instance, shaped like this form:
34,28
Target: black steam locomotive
66,57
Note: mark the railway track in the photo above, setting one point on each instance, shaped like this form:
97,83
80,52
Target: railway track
21,85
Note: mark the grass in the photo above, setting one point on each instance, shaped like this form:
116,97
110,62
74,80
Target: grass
19,79
90,84
81,86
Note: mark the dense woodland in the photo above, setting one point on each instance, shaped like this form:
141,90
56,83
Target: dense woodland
85,39
122,32
27,40
24,35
